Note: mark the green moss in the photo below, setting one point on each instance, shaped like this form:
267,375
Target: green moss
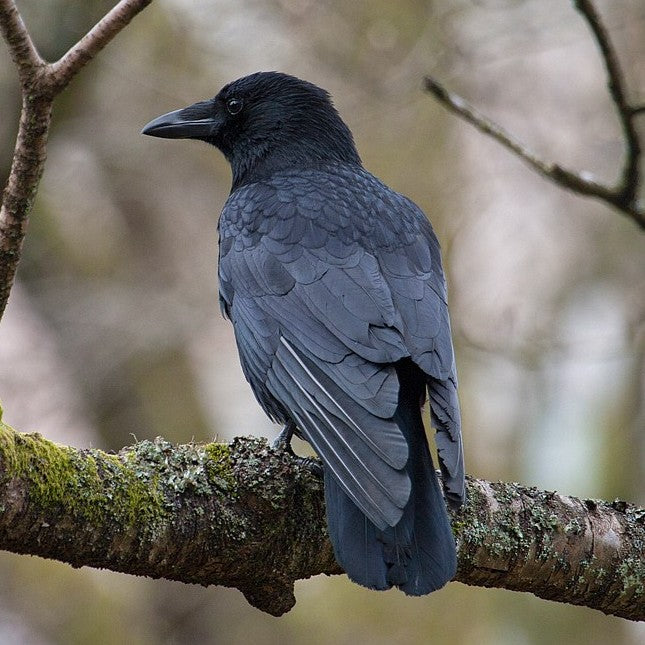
182,468
90,485
47,467
458,526
219,465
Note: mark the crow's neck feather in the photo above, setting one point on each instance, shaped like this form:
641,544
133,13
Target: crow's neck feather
290,145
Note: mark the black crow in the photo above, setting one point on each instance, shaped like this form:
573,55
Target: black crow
334,285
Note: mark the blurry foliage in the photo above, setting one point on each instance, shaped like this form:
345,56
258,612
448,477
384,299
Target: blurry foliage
117,290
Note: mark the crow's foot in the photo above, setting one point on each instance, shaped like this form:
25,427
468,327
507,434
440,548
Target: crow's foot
283,443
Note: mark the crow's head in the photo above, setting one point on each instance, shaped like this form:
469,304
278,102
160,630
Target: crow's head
264,123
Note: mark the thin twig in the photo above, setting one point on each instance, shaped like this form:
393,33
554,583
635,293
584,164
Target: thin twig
623,196
554,171
95,40
41,83
30,149
21,48
616,84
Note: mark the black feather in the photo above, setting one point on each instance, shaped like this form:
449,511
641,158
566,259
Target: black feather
418,553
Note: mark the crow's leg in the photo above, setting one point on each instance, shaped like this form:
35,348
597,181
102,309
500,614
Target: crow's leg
283,443
283,440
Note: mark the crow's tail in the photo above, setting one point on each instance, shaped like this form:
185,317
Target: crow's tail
418,554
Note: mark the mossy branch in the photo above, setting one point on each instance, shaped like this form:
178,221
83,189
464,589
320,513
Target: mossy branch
244,515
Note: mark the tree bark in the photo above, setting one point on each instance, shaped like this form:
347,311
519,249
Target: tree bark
244,515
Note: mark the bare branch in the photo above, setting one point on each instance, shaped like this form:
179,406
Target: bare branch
22,50
62,71
41,83
616,84
19,193
553,171
623,196
246,516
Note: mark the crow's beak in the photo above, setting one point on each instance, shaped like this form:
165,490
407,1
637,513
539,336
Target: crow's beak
193,122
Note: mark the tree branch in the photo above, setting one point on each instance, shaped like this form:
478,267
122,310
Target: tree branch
616,84
20,191
623,196
21,48
245,516
41,83
62,71
553,171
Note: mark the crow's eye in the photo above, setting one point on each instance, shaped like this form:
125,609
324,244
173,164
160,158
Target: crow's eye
234,105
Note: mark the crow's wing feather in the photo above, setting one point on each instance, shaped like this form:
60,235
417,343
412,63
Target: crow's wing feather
342,403
413,272
368,460
334,271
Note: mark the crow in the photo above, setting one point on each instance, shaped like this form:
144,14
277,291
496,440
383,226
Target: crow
335,288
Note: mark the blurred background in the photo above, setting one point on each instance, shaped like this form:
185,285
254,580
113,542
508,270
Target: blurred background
113,329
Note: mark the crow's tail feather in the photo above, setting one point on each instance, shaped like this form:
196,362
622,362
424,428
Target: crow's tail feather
418,554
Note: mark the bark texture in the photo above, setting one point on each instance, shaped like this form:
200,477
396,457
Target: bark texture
244,515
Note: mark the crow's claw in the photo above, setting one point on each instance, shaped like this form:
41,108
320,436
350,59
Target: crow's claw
283,443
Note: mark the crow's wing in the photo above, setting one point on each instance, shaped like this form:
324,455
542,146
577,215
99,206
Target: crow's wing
414,273
306,262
